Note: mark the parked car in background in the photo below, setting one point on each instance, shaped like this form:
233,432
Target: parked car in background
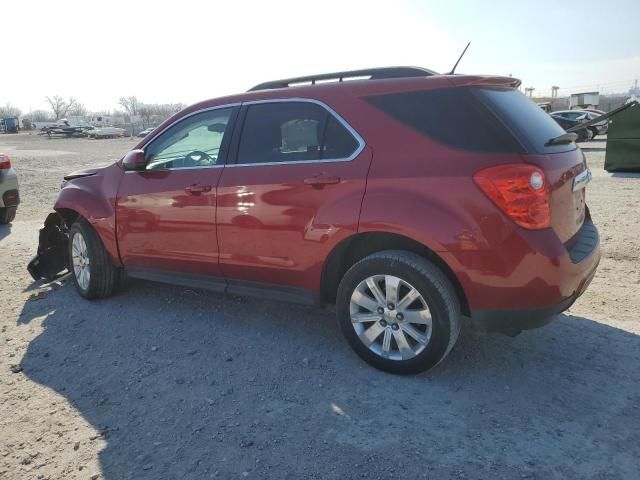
9,196
145,132
583,116
594,110
584,134
339,189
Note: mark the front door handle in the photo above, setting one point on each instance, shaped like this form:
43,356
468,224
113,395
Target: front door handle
197,189
321,179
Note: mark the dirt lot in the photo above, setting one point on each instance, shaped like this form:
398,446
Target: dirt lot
162,382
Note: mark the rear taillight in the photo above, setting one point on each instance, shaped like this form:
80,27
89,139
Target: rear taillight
520,191
5,163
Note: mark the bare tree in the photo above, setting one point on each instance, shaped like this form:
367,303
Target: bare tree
76,108
58,106
61,107
39,116
9,111
155,113
130,104
146,112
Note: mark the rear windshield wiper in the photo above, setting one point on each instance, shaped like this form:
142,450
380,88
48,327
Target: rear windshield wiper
562,139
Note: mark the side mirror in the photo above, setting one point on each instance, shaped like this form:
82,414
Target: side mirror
134,160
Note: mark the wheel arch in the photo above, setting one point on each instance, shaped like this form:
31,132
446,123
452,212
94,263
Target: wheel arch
357,246
69,215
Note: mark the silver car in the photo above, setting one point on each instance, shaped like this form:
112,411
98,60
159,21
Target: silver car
9,197
599,128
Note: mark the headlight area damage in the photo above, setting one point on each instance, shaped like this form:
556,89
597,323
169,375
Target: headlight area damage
52,260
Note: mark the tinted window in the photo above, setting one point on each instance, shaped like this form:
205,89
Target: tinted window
452,116
533,126
338,141
292,132
192,142
572,115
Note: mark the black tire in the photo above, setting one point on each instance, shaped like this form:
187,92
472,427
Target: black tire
103,274
122,280
437,292
594,131
7,214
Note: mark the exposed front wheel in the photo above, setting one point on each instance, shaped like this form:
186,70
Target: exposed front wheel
594,132
398,311
89,263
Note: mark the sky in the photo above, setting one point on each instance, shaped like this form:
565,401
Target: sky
189,50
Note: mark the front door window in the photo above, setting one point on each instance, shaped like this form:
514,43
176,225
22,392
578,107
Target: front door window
194,142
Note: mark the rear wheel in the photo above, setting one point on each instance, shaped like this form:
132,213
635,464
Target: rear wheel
93,273
7,214
398,311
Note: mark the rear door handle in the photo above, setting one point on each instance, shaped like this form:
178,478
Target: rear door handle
197,189
321,179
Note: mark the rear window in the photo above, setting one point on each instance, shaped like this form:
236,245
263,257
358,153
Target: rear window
452,116
530,123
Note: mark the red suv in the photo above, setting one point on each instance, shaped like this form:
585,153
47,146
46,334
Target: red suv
407,198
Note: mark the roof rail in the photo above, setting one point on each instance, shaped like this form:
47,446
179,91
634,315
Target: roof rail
372,73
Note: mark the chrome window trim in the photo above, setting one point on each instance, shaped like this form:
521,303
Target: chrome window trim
331,111
202,110
178,169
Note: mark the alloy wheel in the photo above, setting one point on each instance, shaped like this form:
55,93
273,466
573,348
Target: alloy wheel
390,317
80,261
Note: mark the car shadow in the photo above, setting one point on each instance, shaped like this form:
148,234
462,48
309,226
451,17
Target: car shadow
5,230
625,174
189,384
586,148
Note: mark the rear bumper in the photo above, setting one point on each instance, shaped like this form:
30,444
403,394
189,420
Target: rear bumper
531,292
9,196
512,322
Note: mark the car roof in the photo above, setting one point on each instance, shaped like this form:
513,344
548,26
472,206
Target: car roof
358,87
333,91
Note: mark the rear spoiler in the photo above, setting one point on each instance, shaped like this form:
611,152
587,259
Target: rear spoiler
602,117
484,80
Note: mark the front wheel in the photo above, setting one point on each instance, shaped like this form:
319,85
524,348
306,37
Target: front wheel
94,275
398,311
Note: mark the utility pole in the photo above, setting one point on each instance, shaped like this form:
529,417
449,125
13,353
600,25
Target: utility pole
529,91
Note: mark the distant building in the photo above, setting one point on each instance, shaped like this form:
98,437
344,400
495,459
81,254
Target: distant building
584,100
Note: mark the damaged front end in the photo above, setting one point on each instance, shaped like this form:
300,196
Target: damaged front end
52,260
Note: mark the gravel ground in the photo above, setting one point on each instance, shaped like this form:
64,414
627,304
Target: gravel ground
162,382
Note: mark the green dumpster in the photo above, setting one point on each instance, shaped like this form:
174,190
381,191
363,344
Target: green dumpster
623,141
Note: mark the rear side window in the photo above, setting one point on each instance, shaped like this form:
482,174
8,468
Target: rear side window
293,132
531,124
452,116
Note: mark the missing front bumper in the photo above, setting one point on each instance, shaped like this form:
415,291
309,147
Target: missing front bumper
52,259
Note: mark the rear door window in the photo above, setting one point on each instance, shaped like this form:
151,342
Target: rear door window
278,132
